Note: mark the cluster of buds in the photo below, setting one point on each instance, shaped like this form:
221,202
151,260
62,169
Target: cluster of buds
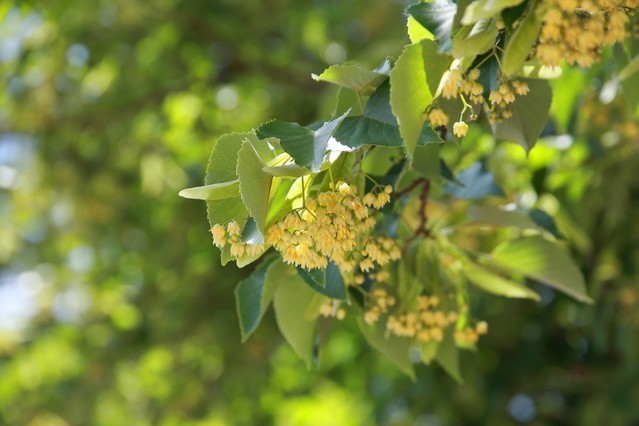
427,323
379,303
335,226
470,335
501,98
230,234
575,30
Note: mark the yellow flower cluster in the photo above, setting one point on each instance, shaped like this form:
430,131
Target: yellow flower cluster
437,117
577,29
335,226
469,86
471,335
230,234
504,96
426,324
380,302
331,308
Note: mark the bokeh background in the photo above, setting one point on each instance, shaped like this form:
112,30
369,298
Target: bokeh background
114,309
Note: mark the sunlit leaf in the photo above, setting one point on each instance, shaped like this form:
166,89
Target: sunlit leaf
352,76
215,191
496,284
448,357
484,9
521,42
544,261
497,216
437,17
255,184
410,95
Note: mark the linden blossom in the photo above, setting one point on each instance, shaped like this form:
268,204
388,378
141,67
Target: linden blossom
578,37
335,226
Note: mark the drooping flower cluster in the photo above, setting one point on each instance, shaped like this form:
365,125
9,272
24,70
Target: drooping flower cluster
230,234
426,324
470,335
576,30
456,83
504,96
335,226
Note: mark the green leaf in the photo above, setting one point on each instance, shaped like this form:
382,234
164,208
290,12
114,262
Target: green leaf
215,191
484,9
543,261
437,17
255,184
287,170
352,76
476,39
448,357
307,147
521,41
410,95
395,348
416,31
530,113
496,284
250,298
426,161
291,301
474,182
493,215
328,282
429,351
377,125
221,170
435,64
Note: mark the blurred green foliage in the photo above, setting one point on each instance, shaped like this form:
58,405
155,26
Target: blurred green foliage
113,307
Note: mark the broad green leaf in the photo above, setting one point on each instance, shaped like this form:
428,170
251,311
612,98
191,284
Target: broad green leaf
395,348
417,32
530,113
426,161
429,351
306,146
221,169
484,9
249,298
223,159
378,161
496,284
521,42
352,76
255,184
410,95
476,39
544,261
435,64
377,125
328,282
287,170
474,182
448,357
437,17
493,215
215,191
291,302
